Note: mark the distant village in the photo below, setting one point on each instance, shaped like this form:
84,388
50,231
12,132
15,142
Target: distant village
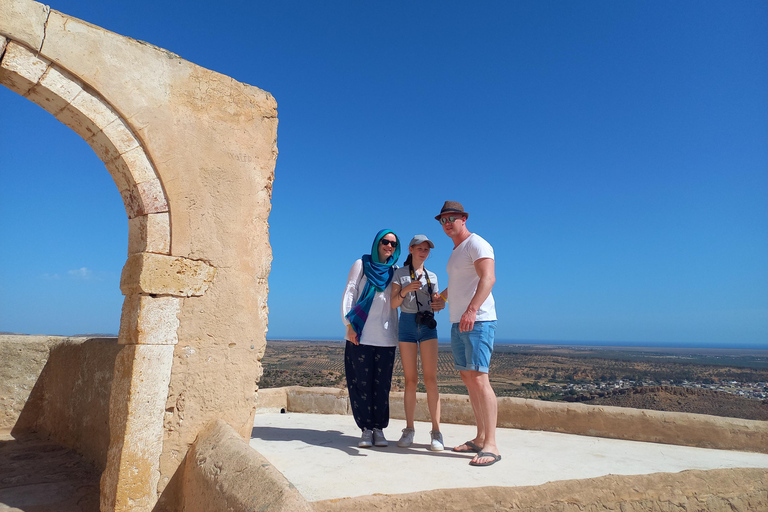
753,390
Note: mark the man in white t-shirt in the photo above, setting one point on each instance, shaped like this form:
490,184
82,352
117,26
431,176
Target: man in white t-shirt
472,311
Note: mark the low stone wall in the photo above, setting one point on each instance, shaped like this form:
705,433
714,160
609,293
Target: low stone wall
59,388
719,490
222,473
685,429
22,359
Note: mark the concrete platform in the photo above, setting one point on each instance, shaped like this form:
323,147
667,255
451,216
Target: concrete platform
318,454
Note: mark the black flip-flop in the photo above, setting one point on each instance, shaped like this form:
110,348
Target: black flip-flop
473,448
496,458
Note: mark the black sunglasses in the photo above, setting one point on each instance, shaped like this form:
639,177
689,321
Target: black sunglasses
451,219
384,241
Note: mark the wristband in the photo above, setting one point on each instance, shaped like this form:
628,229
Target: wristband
401,296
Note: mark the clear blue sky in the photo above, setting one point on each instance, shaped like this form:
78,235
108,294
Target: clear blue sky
615,154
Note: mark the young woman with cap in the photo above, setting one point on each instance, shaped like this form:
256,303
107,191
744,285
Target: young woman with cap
415,292
369,355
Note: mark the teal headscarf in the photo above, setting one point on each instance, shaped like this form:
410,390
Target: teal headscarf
379,276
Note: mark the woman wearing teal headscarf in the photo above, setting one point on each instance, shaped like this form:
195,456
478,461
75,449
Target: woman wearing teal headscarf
369,355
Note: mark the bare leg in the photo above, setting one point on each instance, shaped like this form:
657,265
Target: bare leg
474,399
487,408
409,357
429,370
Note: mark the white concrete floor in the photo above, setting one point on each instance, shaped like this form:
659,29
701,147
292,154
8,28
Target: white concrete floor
318,454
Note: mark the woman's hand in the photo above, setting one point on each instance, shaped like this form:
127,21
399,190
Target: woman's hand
352,335
410,287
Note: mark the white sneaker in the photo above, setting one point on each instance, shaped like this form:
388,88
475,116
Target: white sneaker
406,439
437,441
366,440
378,438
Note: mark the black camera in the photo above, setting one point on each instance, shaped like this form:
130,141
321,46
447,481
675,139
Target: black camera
427,319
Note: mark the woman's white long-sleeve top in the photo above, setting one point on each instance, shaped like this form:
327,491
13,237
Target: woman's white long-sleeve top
380,330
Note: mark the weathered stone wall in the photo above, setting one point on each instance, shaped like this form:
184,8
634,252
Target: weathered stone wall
21,362
223,473
685,429
59,388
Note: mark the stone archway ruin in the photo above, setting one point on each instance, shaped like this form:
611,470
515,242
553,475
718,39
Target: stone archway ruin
192,153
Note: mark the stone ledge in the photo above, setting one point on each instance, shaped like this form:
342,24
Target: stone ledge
685,429
717,490
157,274
223,473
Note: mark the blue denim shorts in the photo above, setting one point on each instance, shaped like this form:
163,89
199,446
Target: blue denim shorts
472,349
411,332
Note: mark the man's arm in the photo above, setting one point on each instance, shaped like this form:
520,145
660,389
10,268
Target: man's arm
486,270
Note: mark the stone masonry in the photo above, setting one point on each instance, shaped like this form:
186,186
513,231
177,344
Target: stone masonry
172,135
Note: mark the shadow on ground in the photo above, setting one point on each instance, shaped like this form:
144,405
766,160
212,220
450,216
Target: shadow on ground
41,476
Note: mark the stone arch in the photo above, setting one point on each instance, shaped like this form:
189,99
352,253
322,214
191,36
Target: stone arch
82,109
192,153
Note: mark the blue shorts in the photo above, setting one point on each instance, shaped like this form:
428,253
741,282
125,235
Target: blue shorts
472,349
411,332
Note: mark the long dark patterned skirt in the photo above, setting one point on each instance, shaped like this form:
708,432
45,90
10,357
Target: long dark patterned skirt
369,379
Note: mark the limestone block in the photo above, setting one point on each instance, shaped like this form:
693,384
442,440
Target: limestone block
130,168
158,274
22,359
55,90
139,165
88,115
114,140
3,43
144,198
149,233
223,473
103,147
122,176
23,22
149,320
139,197
271,400
131,198
20,69
136,409
152,197
318,400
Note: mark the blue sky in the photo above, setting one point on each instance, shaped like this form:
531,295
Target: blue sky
615,154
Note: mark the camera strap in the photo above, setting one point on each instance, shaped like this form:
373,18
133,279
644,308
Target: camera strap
429,285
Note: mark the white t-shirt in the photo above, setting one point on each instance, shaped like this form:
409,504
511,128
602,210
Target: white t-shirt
463,279
380,329
409,305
